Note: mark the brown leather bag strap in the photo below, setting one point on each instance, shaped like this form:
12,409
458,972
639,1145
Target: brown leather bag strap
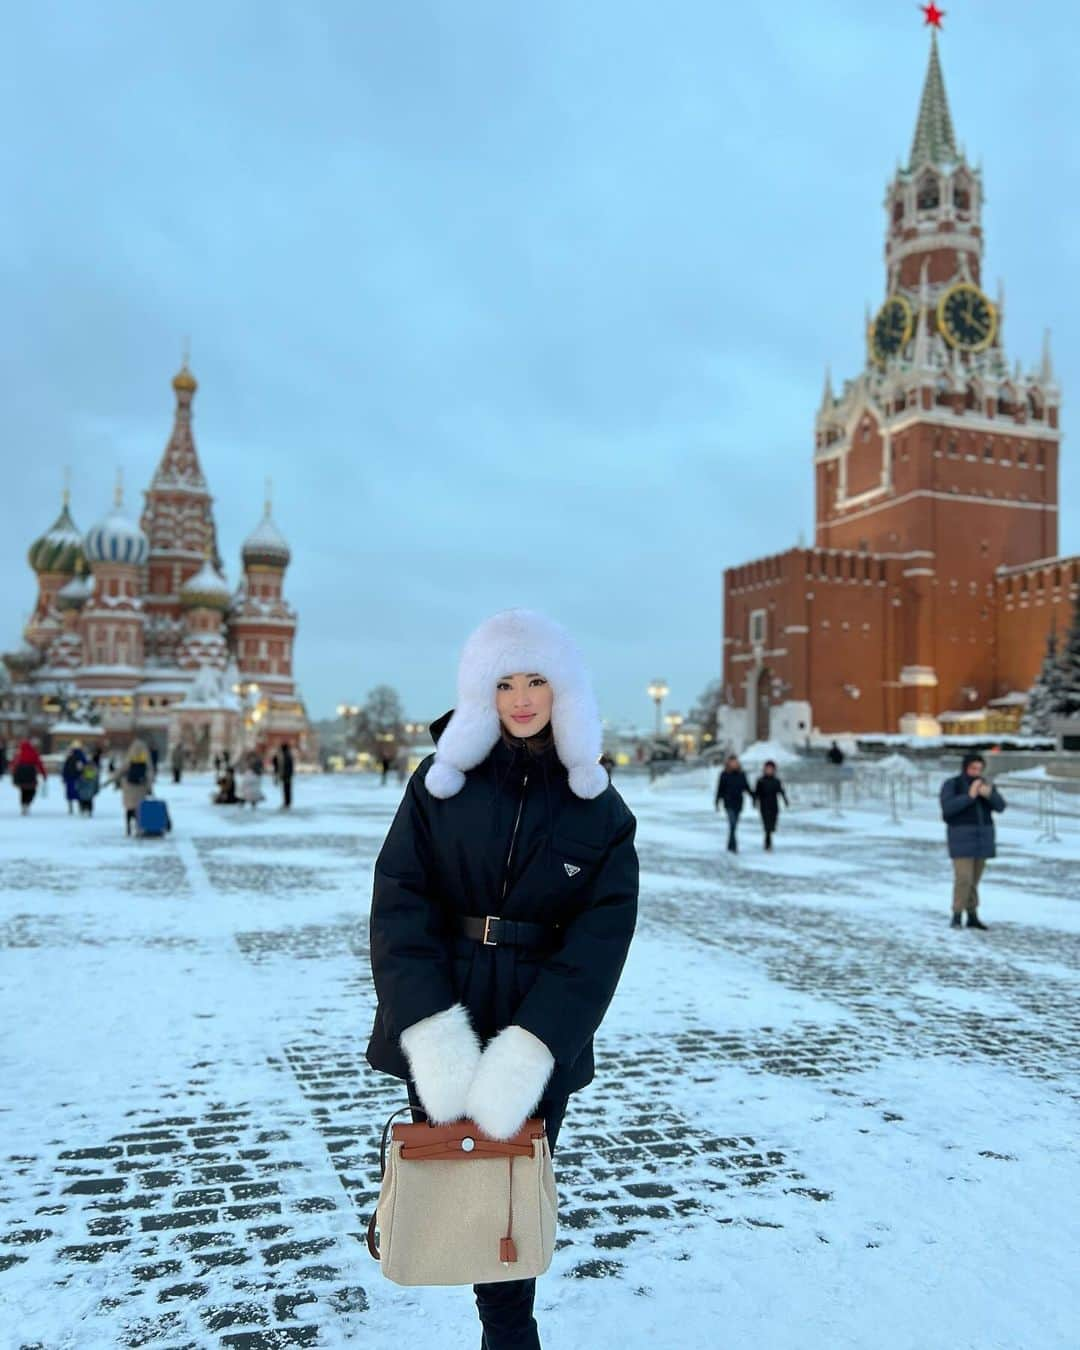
382,1173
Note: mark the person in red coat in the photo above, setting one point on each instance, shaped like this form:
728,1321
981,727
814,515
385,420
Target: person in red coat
26,769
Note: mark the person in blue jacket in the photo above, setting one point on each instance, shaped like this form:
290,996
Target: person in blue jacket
968,803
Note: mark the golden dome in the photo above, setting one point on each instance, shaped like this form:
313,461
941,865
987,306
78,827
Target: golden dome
184,380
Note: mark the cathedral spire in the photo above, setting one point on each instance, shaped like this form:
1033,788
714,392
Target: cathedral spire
934,141
179,465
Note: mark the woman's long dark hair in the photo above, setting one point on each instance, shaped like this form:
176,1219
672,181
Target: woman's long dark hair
536,745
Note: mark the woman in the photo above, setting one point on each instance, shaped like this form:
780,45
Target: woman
26,768
767,793
136,777
504,902
250,787
730,787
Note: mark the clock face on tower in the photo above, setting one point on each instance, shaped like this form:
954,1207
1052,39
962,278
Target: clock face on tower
966,318
891,328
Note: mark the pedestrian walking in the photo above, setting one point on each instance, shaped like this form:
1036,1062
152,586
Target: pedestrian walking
3,759
226,788
505,899
71,772
730,789
176,759
87,787
249,790
835,755
135,778
768,790
26,768
284,768
968,803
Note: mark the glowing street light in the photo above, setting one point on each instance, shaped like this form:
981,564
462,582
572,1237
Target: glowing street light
658,691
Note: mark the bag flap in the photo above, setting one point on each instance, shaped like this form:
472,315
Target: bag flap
463,1140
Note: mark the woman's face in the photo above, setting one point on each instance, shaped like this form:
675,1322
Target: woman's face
523,703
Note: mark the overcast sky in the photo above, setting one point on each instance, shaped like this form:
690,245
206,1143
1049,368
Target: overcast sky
517,303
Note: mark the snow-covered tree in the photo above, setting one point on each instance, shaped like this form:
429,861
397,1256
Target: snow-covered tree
703,714
1047,695
73,706
1070,667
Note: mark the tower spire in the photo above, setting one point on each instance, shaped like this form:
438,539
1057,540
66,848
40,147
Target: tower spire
1046,369
827,398
934,141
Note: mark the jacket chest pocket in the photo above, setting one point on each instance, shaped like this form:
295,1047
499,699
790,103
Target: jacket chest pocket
574,863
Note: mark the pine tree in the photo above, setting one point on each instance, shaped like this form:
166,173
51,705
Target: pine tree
1070,667
1046,697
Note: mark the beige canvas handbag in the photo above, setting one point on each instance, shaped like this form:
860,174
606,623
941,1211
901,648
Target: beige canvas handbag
456,1207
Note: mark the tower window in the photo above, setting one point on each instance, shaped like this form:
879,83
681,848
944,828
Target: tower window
929,194
962,197
898,210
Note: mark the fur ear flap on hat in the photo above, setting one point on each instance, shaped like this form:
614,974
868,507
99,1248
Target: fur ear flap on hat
511,642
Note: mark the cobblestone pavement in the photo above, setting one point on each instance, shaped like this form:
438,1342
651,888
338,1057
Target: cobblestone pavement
214,1190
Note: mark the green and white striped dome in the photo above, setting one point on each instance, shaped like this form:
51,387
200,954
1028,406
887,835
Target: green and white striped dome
60,548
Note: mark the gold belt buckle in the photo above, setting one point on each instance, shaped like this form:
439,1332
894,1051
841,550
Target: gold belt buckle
488,921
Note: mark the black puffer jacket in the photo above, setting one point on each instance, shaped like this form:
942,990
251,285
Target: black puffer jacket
572,864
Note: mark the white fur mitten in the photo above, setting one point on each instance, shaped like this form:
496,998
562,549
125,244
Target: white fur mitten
514,1070
443,1053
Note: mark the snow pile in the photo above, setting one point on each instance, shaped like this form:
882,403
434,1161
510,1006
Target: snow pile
754,756
898,766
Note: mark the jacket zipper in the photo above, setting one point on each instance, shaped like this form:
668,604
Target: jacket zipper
513,838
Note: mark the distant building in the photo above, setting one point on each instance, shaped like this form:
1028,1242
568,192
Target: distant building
934,575
136,619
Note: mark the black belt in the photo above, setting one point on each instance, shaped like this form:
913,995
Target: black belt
495,932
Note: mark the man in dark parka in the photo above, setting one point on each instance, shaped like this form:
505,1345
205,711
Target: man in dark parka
968,803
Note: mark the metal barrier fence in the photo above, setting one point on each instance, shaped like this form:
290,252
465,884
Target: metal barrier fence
1049,807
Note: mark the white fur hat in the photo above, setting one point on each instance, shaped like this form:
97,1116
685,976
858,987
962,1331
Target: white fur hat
511,642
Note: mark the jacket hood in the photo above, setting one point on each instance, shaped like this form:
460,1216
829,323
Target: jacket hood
512,641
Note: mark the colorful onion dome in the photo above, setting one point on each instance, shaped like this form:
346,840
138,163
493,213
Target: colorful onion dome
265,546
184,381
116,539
21,662
207,589
59,549
75,593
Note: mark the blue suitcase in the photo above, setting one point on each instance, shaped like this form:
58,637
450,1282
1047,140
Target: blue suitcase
153,818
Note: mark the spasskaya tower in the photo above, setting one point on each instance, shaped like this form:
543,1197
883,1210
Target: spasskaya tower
936,478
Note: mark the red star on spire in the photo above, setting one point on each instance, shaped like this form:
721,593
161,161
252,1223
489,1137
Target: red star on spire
932,14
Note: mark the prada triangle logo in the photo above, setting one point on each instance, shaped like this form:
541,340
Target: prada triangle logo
571,870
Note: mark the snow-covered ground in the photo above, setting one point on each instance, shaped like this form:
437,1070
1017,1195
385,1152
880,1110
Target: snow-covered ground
821,1118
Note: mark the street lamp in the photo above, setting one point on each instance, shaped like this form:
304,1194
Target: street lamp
658,691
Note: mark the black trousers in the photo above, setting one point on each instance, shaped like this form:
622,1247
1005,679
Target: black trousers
286,791
506,1307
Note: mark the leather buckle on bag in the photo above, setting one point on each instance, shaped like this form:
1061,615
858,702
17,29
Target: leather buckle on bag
488,921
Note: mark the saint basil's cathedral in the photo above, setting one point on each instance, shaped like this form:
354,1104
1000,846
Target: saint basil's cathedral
135,624
934,581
